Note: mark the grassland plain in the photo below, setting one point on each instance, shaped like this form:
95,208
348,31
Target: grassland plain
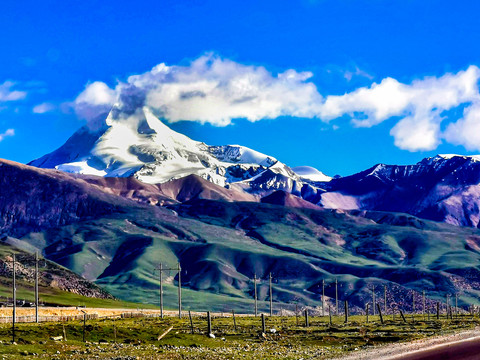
284,338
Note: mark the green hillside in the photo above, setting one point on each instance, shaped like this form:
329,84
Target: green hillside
222,245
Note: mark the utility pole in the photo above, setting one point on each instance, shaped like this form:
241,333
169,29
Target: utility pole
271,300
179,270
323,297
161,290
373,299
14,294
36,287
385,299
255,290
336,296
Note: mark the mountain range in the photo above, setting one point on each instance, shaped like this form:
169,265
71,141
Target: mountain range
119,198
137,144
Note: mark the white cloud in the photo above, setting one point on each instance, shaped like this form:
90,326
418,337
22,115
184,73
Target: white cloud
7,93
210,89
419,105
9,132
466,131
215,90
43,108
97,98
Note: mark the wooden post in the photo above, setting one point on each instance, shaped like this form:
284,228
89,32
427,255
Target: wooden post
330,314
385,299
179,291
165,333
255,290
209,323
438,310
84,325
191,321
447,304
114,331
234,320
307,324
64,333
346,311
380,313
366,311
403,316
263,324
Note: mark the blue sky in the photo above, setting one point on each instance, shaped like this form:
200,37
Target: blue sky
52,50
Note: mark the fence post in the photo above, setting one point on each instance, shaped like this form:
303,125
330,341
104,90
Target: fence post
84,325
191,321
234,321
366,311
330,314
263,324
346,311
306,318
385,299
380,313
209,323
438,310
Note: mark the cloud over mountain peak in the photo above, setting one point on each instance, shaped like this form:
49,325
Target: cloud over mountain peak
215,90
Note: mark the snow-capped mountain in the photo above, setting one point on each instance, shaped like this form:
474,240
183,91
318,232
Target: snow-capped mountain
136,143
443,188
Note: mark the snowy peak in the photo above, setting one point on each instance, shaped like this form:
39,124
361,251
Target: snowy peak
241,155
310,173
136,143
442,157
